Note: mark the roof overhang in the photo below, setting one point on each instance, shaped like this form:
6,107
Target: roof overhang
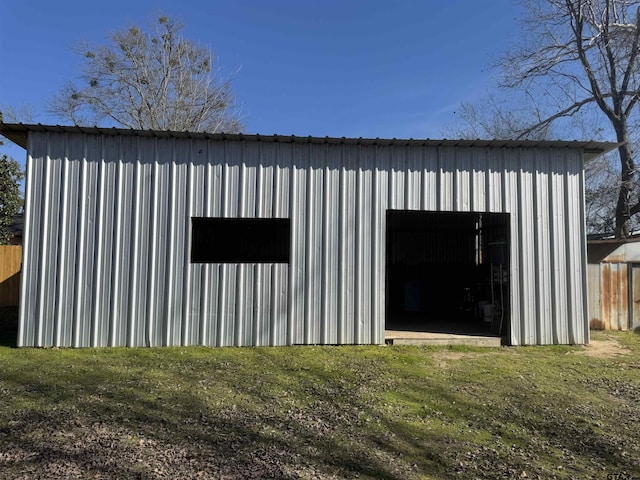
18,133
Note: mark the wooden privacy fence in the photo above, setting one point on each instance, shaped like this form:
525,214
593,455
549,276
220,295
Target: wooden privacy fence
10,260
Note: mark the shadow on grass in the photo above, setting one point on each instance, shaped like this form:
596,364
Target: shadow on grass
133,413
8,326
180,426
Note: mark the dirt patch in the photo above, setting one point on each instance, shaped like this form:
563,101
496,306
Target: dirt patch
607,348
443,358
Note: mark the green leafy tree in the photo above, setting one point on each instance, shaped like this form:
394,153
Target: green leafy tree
153,79
10,199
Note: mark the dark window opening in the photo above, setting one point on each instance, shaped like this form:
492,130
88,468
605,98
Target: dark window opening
240,240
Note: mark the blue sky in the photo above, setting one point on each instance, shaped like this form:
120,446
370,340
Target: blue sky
307,67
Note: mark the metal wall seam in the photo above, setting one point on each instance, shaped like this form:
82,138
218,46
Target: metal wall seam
185,231
97,272
42,272
511,203
341,251
562,277
575,268
258,270
25,322
328,334
583,249
623,316
580,249
542,239
223,279
358,307
213,201
529,255
613,279
377,253
365,255
308,247
293,260
115,258
62,245
570,311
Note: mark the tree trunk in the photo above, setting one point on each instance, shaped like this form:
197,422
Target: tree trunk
627,170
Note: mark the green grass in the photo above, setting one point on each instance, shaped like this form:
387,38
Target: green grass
321,412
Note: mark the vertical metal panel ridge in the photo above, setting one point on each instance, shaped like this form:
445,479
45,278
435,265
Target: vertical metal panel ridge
542,240
153,251
98,270
594,291
530,254
575,257
523,256
358,233
185,230
570,331
366,234
510,204
165,337
62,245
293,260
39,340
328,252
342,245
208,278
25,322
552,256
81,323
308,249
377,252
133,273
259,274
583,251
115,279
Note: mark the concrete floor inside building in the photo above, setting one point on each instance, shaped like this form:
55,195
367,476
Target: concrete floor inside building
441,332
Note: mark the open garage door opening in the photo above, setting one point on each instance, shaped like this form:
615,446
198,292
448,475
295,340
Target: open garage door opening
447,272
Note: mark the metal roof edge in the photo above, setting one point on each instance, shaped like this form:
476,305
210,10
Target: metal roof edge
609,241
18,134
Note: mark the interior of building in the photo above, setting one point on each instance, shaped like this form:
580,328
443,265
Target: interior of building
447,272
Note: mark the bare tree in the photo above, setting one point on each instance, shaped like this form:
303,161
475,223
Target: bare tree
508,117
580,57
497,117
156,80
13,114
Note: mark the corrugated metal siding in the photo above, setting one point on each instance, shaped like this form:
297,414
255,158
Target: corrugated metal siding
609,290
107,237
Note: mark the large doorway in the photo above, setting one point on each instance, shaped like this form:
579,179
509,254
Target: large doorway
447,272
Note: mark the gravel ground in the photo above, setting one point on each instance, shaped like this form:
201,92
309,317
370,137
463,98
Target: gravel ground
233,444
314,443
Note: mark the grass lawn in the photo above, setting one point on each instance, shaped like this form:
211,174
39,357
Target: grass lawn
323,412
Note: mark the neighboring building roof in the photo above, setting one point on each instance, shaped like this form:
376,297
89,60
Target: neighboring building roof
19,132
613,250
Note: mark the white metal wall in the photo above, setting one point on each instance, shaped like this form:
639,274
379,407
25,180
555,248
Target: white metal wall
106,259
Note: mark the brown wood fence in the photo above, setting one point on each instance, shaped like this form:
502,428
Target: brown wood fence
10,260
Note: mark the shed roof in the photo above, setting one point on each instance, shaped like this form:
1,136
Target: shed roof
613,249
19,132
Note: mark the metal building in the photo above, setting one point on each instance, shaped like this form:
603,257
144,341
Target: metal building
143,238
613,277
